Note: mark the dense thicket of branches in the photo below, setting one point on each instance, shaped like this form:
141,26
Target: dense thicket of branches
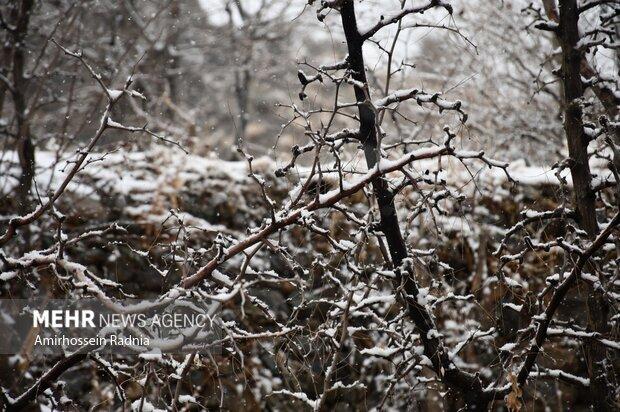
420,209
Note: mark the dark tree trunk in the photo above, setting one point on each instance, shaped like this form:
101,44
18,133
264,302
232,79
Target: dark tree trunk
584,198
467,386
25,148
573,124
242,95
604,93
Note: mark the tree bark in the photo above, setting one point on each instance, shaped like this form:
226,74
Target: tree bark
25,148
573,124
604,94
584,197
464,385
